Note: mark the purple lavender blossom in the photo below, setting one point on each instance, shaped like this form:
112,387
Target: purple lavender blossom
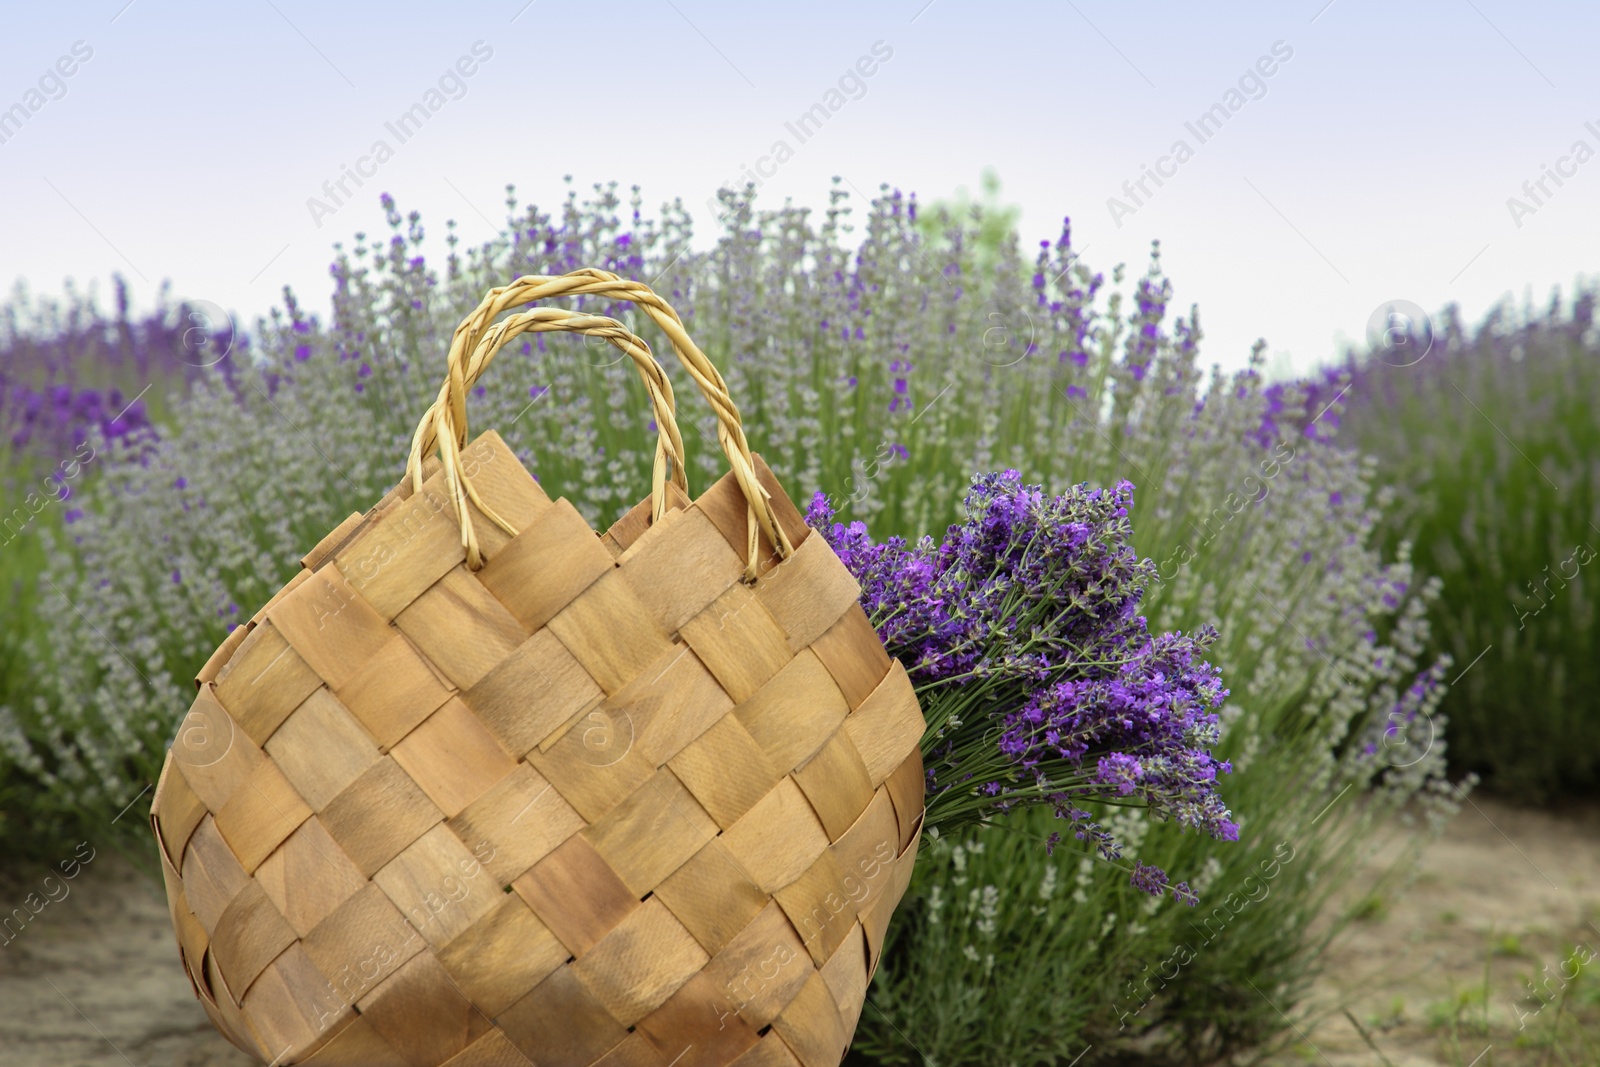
1039,680
1150,879
58,418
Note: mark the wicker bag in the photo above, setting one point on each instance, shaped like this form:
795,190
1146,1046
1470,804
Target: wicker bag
482,787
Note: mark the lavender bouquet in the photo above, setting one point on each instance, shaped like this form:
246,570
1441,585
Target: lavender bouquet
1039,681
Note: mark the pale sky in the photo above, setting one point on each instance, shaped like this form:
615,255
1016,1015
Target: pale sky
1373,163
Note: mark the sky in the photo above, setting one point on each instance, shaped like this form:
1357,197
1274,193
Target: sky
1356,153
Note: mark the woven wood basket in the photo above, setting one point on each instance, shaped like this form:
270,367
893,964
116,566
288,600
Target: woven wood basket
482,787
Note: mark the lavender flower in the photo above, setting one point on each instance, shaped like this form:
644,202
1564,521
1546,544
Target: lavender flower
1039,680
57,419
1152,880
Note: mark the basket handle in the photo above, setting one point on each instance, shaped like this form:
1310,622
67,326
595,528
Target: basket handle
475,343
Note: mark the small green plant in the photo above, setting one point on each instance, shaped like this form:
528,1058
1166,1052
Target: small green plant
1392,1016
1559,1011
1509,945
1463,1012
1369,908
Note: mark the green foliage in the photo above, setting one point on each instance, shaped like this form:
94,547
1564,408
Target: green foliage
990,224
1493,442
21,560
978,992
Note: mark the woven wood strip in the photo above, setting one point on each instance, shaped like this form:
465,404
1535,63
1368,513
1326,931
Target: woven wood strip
598,801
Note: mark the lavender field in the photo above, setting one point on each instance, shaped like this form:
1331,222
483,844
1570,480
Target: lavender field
1258,688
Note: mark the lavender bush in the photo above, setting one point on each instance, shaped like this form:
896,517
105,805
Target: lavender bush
1493,444
1322,641
880,365
71,374
72,377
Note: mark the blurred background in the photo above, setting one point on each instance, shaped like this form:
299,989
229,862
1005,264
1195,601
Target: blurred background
1316,277
1375,164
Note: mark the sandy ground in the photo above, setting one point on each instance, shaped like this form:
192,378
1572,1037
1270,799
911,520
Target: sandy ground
1440,974
94,980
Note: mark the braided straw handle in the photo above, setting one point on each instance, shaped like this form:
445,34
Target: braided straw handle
475,343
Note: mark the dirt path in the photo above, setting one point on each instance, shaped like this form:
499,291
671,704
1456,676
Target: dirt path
1440,975
93,980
